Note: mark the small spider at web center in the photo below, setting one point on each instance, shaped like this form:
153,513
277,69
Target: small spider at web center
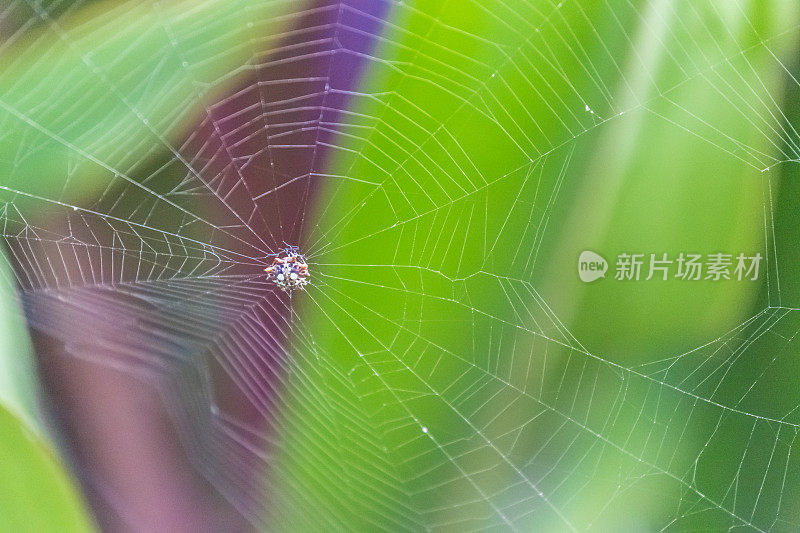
289,270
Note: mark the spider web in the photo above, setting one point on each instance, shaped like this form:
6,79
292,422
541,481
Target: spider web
416,152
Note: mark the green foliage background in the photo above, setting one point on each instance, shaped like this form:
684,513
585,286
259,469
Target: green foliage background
439,292
436,294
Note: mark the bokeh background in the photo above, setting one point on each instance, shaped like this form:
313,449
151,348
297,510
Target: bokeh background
442,164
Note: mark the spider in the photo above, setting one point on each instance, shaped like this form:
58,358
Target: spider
289,269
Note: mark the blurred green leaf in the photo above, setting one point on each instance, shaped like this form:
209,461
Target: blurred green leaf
452,347
18,386
36,494
96,91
